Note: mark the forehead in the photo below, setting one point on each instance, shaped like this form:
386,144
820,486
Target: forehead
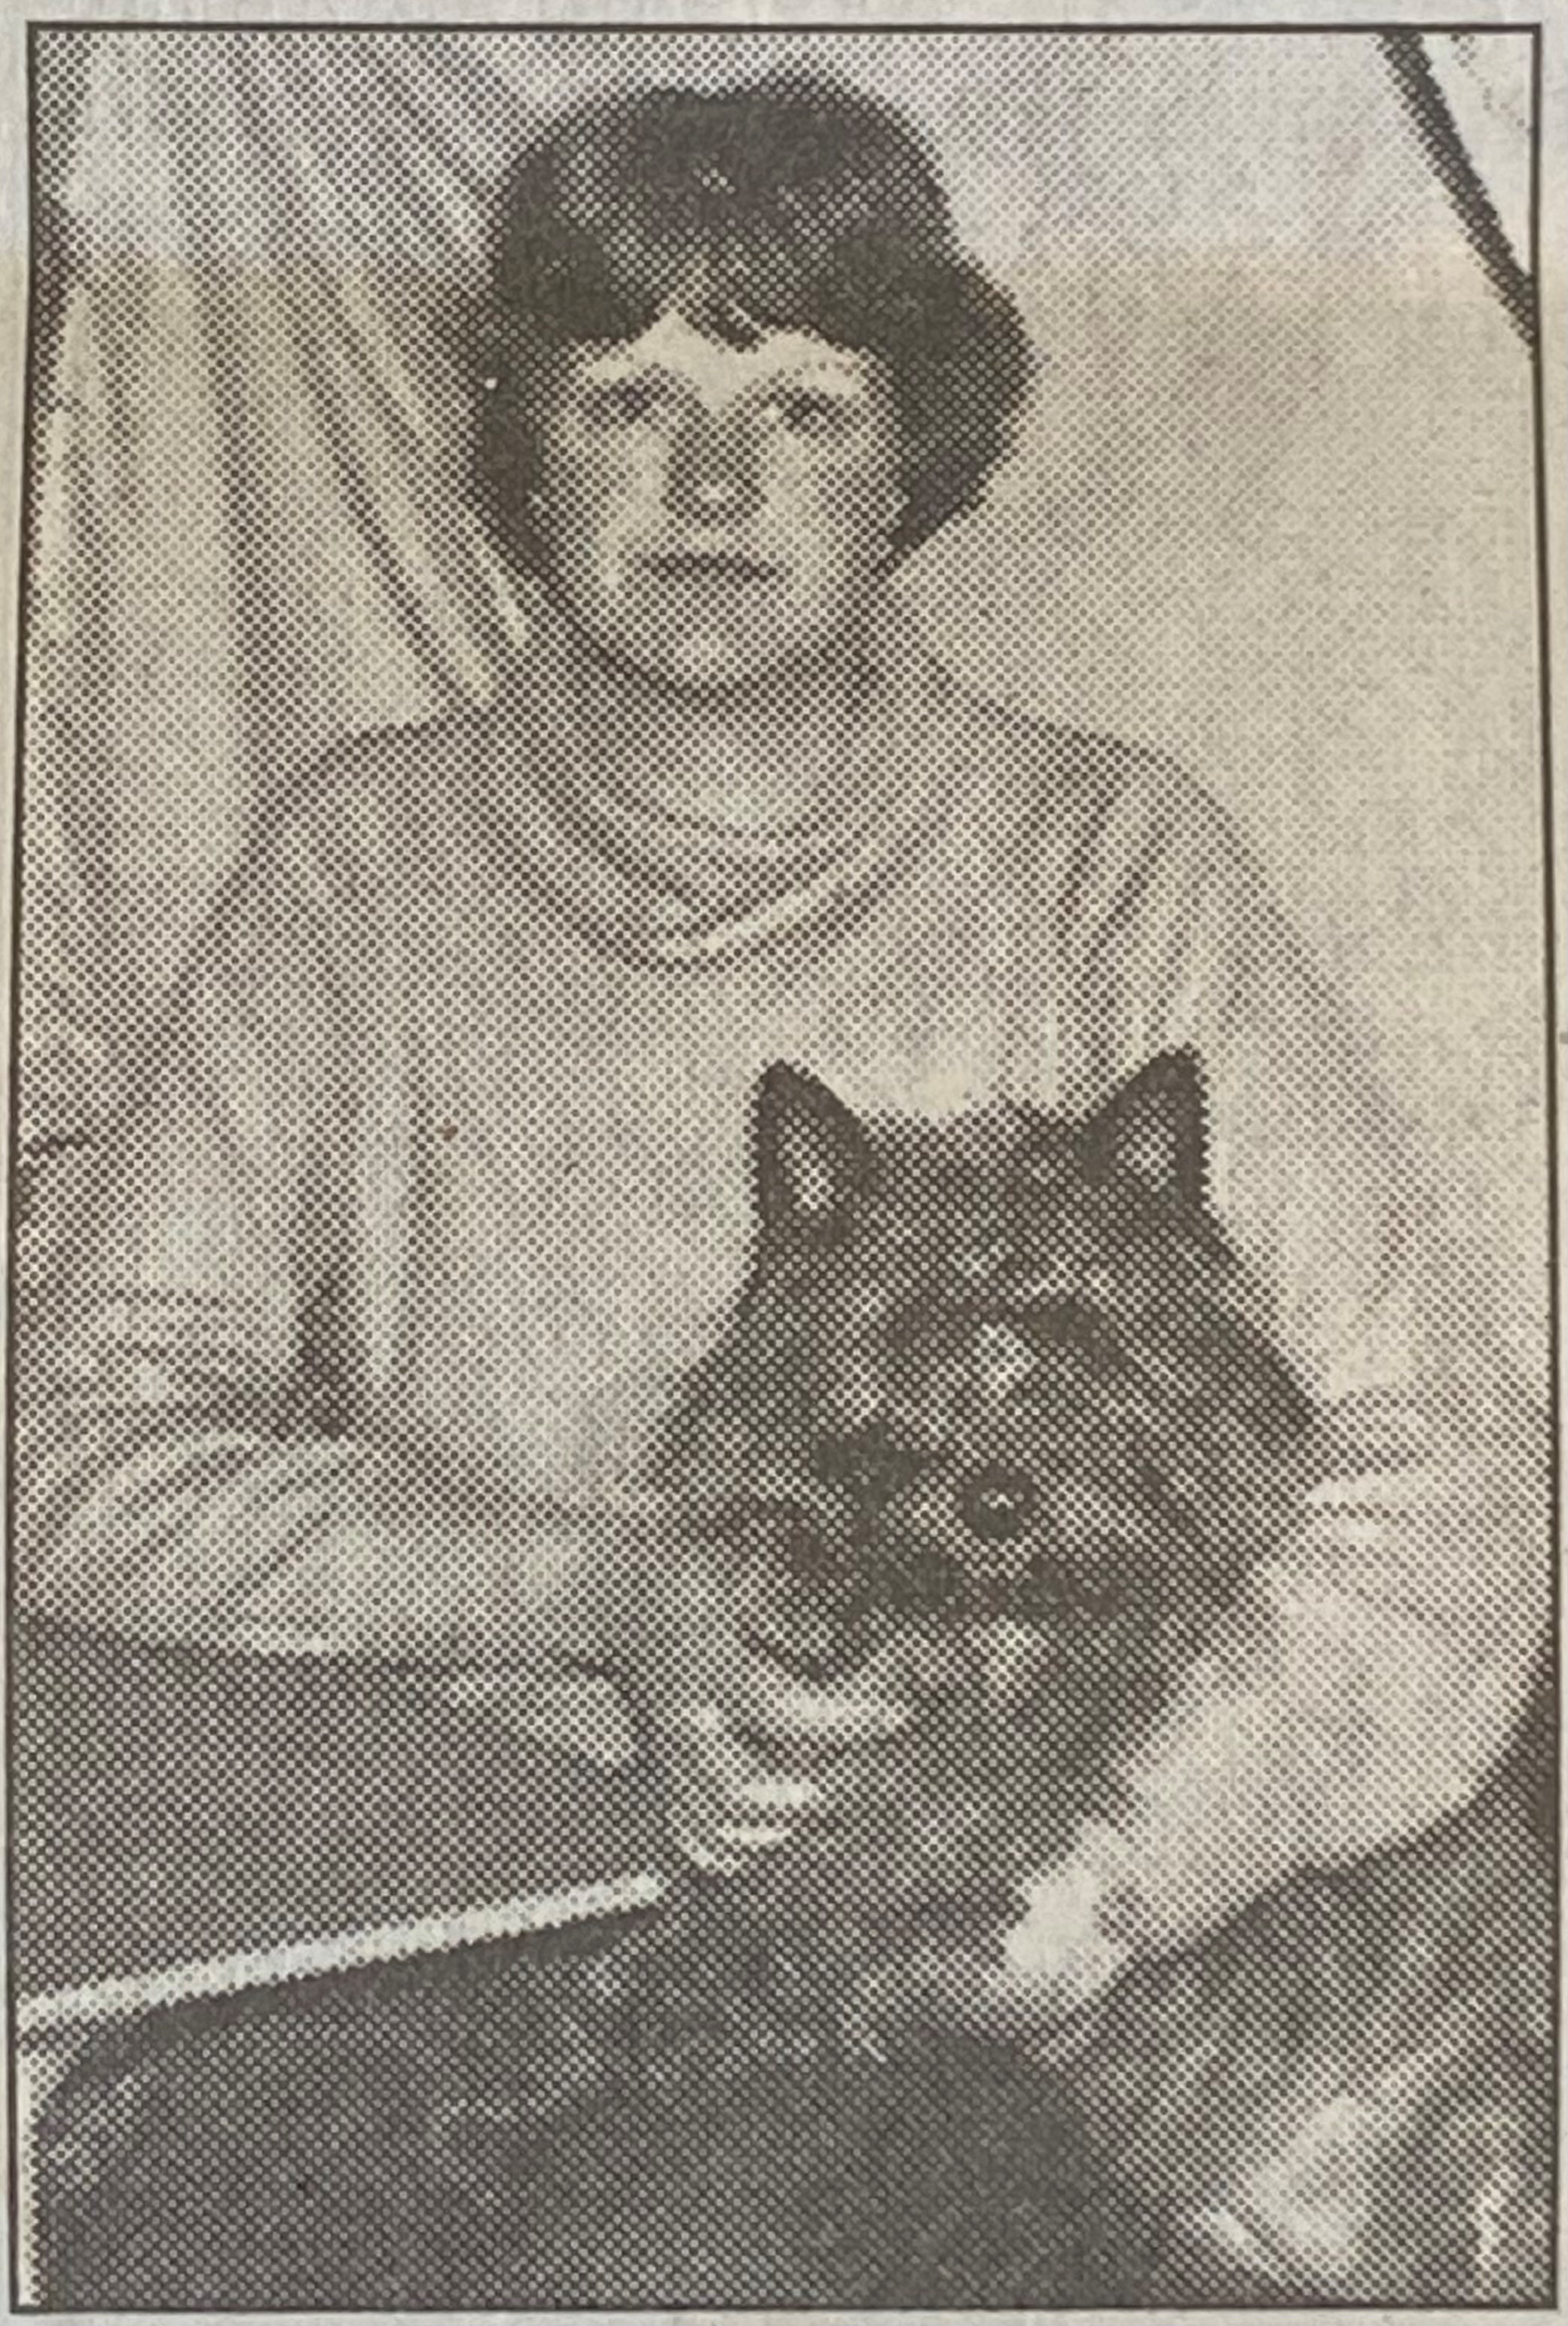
672,345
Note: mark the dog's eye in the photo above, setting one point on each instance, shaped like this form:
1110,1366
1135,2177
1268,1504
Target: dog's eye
1064,1321
785,1532
867,1461
998,1505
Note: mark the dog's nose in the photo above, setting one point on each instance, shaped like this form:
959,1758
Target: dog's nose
999,1504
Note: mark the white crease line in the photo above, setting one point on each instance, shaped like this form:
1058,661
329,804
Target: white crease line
113,1998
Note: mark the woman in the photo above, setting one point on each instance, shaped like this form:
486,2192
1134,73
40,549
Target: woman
362,1339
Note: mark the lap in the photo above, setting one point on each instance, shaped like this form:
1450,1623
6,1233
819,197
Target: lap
1344,2097
1351,2089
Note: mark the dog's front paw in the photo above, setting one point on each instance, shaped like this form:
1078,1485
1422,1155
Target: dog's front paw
972,1984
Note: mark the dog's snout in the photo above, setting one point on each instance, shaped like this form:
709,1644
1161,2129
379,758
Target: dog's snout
999,1504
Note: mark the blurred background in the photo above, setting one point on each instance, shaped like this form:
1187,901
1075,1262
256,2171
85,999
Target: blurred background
1272,511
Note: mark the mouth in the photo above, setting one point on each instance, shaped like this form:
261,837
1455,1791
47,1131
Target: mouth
711,565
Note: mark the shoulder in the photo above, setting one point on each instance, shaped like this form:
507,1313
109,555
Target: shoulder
1107,813
345,864
374,809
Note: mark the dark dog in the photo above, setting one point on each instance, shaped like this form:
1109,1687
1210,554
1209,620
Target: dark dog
1001,1382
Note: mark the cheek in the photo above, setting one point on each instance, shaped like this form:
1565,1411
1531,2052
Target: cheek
597,492
841,506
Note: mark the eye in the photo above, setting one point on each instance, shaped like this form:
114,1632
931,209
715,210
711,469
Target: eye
867,1461
807,411
788,1534
998,1505
1067,1323
621,403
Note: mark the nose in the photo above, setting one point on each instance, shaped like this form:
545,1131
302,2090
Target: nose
715,474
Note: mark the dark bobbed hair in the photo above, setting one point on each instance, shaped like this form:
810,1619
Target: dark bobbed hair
786,204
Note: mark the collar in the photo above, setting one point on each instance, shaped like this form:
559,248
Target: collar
657,887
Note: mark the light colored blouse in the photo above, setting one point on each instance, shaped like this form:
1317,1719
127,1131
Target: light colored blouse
459,1088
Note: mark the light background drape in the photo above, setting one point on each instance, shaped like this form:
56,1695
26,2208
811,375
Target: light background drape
1271,512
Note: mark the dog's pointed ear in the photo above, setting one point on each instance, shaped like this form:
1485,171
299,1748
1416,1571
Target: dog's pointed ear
813,1155
1154,1129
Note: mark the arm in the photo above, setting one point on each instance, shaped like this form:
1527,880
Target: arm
179,1482
173,1481
1372,1677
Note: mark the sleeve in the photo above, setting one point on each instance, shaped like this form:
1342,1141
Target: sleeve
176,1480
1372,1677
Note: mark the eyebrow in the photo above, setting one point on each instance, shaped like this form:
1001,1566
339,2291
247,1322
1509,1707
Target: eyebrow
848,395
603,370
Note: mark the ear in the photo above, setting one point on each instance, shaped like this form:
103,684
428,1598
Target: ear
1153,1127
813,1155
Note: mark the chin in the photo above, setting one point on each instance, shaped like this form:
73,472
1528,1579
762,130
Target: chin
699,670
701,655
711,667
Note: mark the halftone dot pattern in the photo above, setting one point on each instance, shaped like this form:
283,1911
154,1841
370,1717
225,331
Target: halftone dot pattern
737,1269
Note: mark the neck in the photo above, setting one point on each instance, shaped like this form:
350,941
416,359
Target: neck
749,758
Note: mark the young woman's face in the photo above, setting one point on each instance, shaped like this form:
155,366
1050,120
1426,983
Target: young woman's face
714,515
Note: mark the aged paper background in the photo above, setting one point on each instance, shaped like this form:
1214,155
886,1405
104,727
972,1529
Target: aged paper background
1430,914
